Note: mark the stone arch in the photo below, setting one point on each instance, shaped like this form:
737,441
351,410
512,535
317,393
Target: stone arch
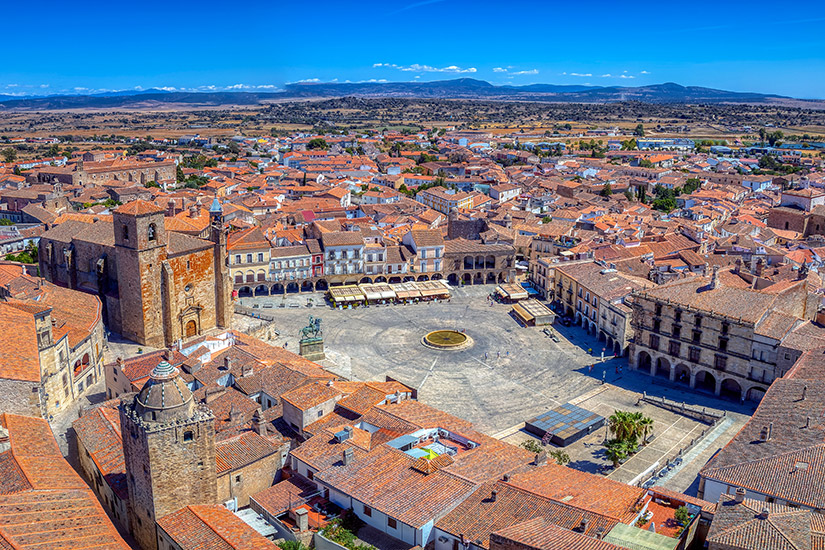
617,348
365,280
191,328
409,278
261,275
467,278
452,278
238,278
261,290
381,279
578,318
705,381
491,278
569,312
395,280
682,374
423,278
307,286
478,279
490,262
321,285
479,262
731,388
593,328
502,277
152,232
644,362
663,367
604,338
244,291
292,288
277,288
468,262
250,276
435,277
755,393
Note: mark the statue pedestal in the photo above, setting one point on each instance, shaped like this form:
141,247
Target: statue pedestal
312,349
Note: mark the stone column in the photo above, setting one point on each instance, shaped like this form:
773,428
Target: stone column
718,389
692,379
672,373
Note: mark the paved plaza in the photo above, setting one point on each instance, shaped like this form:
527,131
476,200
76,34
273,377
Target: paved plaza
509,375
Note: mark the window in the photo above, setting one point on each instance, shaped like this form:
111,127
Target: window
391,523
657,325
721,362
367,511
658,309
151,232
725,327
310,475
676,330
654,342
237,478
249,258
723,344
320,414
260,256
675,348
237,258
125,232
188,436
677,316
697,336
694,355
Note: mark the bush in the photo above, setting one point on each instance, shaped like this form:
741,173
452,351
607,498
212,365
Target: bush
682,515
531,446
292,545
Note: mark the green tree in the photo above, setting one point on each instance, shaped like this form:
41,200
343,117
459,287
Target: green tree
644,426
546,219
233,147
531,445
775,137
639,130
618,450
9,154
629,195
317,143
607,190
179,175
6,221
561,457
682,515
53,151
644,163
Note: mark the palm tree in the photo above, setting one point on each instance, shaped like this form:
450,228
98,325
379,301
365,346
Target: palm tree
622,425
617,451
645,426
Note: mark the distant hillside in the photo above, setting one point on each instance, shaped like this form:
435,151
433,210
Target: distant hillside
462,88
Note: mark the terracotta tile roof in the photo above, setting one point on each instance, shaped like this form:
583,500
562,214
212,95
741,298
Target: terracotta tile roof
241,450
540,533
139,207
745,525
285,494
212,527
582,490
385,481
480,515
55,508
362,399
311,395
99,431
19,356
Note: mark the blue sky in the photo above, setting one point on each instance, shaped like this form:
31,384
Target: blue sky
93,45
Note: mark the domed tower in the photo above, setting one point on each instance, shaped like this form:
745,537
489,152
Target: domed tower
169,447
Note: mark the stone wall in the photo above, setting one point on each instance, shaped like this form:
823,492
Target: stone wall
250,479
19,397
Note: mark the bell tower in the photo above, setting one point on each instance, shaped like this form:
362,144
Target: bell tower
223,283
140,241
169,449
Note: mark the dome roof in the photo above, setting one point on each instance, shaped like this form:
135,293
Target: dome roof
165,396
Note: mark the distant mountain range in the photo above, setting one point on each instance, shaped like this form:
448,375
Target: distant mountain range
462,88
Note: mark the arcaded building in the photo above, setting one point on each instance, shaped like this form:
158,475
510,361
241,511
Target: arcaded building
156,286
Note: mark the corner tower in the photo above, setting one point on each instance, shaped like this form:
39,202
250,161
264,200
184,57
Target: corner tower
140,242
223,283
169,448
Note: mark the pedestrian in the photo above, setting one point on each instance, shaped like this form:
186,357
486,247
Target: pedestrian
590,350
508,353
617,369
498,354
286,344
485,355
589,369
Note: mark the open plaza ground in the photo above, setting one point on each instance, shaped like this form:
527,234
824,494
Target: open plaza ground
508,375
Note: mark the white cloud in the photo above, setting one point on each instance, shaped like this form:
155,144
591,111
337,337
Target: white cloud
305,80
608,75
645,72
580,74
626,76
418,68
507,70
373,80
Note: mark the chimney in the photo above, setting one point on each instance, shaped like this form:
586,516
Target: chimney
740,495
347,456
247,370
227,363
770,431
213,393
170,208
807,421
258,423
585,523
119,362
714,278
600,533
302,519
804,391
234,414
193,211
170,355
493,495
506,478
765,513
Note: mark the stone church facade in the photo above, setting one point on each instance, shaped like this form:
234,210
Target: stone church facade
156,286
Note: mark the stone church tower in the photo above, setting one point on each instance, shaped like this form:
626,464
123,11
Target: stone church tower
169,449
140,242
224,308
